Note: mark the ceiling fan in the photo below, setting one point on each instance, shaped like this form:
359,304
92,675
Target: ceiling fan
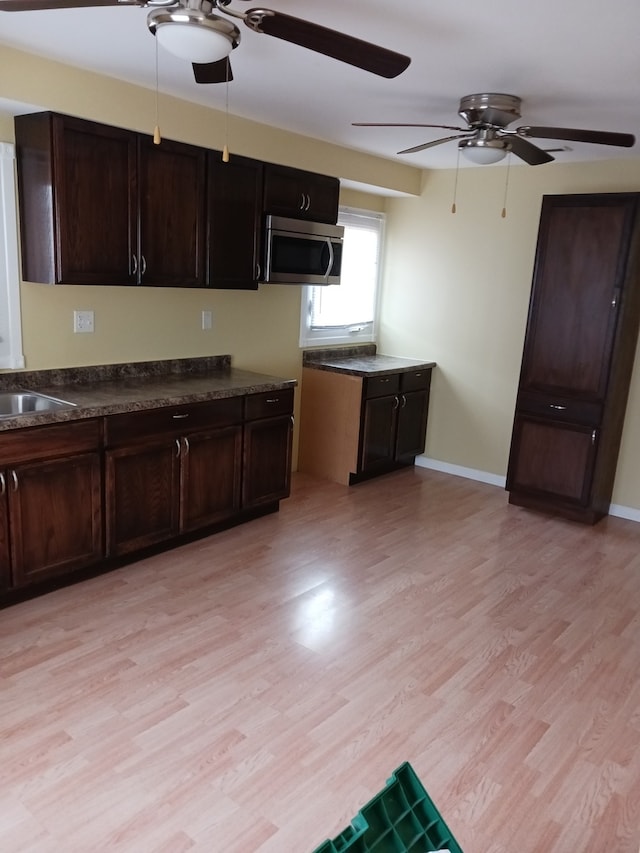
486,140
193,30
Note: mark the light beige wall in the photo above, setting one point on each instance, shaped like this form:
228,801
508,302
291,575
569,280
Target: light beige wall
456,290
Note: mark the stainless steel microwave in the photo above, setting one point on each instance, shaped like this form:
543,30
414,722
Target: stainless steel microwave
299,252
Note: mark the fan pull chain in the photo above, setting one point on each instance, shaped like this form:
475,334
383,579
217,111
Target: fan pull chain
506,188
156,130
225,149
455,185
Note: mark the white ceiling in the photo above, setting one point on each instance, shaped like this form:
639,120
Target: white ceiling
575,63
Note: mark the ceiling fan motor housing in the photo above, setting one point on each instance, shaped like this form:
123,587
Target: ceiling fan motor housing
491,108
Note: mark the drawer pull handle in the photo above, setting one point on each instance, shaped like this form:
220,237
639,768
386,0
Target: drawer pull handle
180,417
3,484
385,380
273,399
14,479
559,408
593,437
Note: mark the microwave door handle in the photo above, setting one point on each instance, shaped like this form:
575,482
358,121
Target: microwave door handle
330,264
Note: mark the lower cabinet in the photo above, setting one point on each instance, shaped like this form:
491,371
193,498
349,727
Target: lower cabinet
394,422
170,471
268,436
553,462
354,427
50,502
78,494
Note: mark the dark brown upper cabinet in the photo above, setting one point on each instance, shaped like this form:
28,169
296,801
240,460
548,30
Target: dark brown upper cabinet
578,355
300,194
103,205
234,222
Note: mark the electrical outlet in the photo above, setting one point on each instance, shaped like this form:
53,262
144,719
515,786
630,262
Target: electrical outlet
83,321
207,320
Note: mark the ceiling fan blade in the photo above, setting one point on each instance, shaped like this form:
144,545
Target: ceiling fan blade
527,151
431,144
213,72
404,124
38,5
354,51
600,137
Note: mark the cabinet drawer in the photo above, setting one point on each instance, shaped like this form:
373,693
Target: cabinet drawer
560,408
132,426
416,380
269,404
381,386
32,443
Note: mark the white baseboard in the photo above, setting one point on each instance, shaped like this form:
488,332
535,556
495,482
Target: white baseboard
624,512
494,480
460,471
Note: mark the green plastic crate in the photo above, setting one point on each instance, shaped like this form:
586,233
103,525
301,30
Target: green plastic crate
400,819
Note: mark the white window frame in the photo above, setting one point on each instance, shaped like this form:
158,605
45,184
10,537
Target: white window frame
11,356
365,333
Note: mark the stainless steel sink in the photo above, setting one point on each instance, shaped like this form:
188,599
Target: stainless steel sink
14,403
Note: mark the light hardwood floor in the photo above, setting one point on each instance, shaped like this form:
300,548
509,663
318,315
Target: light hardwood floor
251,691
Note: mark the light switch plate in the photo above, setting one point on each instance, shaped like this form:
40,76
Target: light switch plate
207,320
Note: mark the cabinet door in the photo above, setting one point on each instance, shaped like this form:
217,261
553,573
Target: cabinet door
412,425
5,556
552,459
210,477
300,194
234,210
77,191
267,461
576,294
55,514
142,495
378,433
172,214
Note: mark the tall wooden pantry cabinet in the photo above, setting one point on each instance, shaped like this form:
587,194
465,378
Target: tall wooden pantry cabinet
578,355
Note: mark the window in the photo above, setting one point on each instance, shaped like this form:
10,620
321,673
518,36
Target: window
10,331
348,312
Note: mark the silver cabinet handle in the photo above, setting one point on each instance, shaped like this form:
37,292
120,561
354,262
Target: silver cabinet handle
593,437
3,484
308,202
14,480
273,399
559,408
186,446
177,448
134,265
404,401
396,403
180,416
143,265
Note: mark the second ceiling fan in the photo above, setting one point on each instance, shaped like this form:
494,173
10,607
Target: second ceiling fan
203,32
486,139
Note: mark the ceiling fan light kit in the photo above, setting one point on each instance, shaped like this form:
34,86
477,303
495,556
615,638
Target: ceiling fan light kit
484,152
192,33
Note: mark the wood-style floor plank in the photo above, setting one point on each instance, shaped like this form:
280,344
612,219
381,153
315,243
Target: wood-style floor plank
253,690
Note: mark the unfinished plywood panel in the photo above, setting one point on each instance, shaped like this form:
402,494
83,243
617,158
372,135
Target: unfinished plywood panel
329,424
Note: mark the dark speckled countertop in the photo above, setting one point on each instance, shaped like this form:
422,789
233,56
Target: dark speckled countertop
361,361
112,389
